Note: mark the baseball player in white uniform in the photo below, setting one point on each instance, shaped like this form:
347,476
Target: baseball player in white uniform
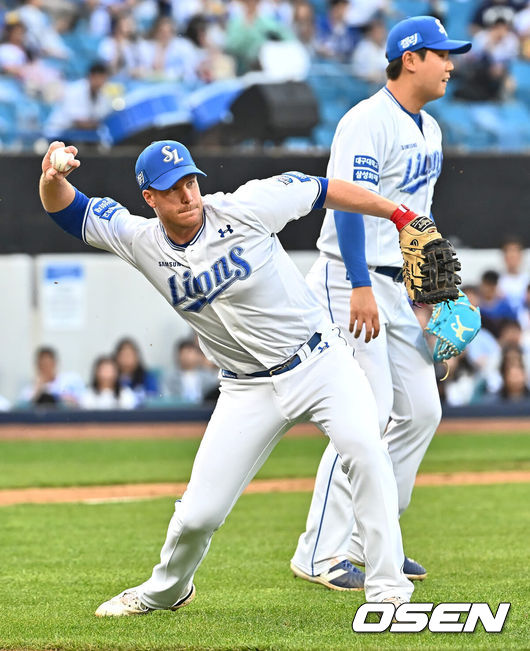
390,146
218,262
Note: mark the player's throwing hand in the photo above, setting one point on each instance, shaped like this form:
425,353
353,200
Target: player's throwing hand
59,161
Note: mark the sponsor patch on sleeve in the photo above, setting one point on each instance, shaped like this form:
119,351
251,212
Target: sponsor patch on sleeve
303,178
105,208
284,179
365,168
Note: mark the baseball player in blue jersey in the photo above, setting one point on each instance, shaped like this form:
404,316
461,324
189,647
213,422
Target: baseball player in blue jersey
392,147
218,262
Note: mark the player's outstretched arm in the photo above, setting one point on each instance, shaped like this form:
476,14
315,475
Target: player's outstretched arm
350,197
56,193
429,260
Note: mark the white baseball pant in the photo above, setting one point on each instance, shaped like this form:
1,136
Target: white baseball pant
400,370
252,414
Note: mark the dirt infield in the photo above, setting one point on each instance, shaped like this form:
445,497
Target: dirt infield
84,431
129,492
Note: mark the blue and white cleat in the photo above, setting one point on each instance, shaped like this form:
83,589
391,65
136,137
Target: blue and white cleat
341,576
413,571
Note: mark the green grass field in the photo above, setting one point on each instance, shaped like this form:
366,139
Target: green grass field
60,561
68,463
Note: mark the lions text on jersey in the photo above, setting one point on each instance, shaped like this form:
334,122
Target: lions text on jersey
233,271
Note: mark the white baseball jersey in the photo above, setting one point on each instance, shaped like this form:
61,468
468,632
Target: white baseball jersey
378,145
233,283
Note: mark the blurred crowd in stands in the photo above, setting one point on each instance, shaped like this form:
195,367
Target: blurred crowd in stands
76,58
120,380
495,366
493,369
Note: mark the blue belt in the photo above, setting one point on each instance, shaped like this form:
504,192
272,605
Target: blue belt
396,273
279,368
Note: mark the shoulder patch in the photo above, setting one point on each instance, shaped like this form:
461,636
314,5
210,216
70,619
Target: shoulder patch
366,161
105,208
365,168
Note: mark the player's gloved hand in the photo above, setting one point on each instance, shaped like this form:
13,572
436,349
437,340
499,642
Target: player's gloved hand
364,312
429,260
454,324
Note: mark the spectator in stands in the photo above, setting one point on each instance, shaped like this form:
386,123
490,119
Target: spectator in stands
336,39
484,352
132,372
105,391
362,12
438,9
42,37
514,387
99,15
369,61
248,31
304,25
521,26
493,306
511,335
164,56
524,313
463,384
119,50
17,60
84,106
484,74
51,387
279,10
489,11
213,63
14,58
182,12
514,280
190,379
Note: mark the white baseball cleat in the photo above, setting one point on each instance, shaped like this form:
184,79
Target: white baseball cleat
397,601
129,603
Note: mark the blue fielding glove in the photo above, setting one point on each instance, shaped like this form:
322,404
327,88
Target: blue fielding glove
454,324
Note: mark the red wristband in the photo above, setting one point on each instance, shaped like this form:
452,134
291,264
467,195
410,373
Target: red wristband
402,216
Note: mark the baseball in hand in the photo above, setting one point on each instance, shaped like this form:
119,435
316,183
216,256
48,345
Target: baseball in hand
60,159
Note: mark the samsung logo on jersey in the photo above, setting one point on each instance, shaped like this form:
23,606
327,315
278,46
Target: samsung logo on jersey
206,286
169,263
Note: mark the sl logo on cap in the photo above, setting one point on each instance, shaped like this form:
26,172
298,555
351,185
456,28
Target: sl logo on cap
171,155
440,27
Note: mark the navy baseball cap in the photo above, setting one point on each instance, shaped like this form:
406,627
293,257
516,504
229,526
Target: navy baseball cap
164,163
421,31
